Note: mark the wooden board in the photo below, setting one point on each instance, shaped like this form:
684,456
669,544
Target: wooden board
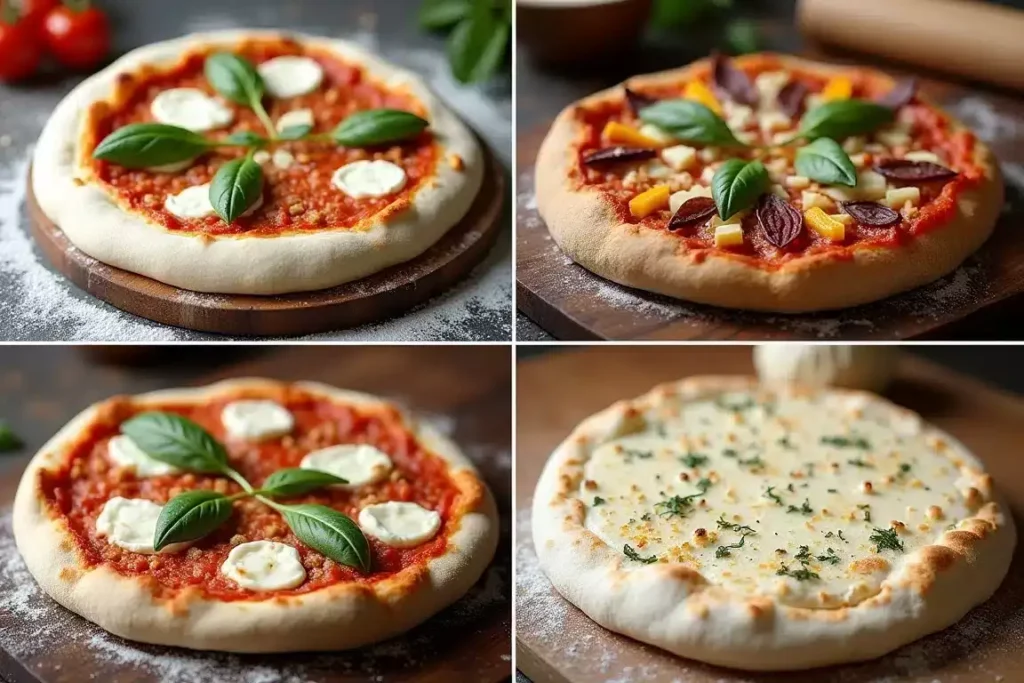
464,391
370,299
574,304
556,643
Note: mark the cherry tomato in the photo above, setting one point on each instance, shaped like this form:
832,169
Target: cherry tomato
34,12
78,39
20,51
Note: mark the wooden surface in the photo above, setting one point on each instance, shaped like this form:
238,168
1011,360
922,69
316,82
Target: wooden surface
370,299
572,303
464,391
556,643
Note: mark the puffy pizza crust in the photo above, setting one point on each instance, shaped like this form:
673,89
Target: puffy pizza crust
675,607
101,228
338,617
588,230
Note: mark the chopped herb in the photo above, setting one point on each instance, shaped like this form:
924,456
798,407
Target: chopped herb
904,468
867,511
839,534
679,505
756,462
829,535
886,539
739,406
726,550
857,462
804,555
730,453
802,574
630,453
789,487
693,459
9,441
635,556
769,493
646,517
847,442
830,557
731,526
804,509
786,443
833,490
598,500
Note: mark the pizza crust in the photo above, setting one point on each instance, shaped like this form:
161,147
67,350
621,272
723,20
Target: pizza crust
674,607
588,230
338,617
101,228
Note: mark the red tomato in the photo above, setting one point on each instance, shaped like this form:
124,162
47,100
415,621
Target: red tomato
20,51
34,12
78,39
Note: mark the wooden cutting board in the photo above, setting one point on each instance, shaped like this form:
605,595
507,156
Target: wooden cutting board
556,643
371,299
572,303
465,391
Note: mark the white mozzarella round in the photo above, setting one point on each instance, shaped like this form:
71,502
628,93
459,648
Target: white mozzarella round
286,77
123,451
255,420
130,523
283,159
176,167
299,117
264,566
192,109
194,202
359,464
398,524
362,179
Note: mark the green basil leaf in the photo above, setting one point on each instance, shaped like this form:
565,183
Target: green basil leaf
190,516
825,161
297,481
329,532
177,441
842,118
9,441
237,185
377,127
246,137
296,132
234,78
141,145
690,121
737,184
478,45
436,15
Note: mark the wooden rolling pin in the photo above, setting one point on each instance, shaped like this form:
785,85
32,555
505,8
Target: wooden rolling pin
978,40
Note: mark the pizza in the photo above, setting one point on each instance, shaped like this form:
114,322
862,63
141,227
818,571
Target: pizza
253,516
769,527
767,183
254,163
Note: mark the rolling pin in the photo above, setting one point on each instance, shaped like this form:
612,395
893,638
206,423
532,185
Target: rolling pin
981,41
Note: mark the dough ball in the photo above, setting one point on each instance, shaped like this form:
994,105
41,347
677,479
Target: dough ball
868,368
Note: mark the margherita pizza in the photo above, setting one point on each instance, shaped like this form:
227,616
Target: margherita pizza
253,516
255,163
769,527
766,183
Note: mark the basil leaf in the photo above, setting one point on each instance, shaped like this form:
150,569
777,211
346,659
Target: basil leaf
177,441
295,132
246,137
436,15
377,127
825,161
737,184
329,532
843,118
690,121
9,441
237,186
296,481
140,145
478,45
234,78
190,516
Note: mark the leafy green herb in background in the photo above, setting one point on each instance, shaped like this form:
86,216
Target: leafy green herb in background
741,35
480,39
9,441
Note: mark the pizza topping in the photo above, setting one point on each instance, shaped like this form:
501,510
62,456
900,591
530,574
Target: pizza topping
825,225
130,523
264,566
256,420
151,145
679,198
825,161
190,516
698,92
679,157
287,77
399,524
193,202
296,123
690,121
838,88
779,220
693,212
728,235
910,171
191,109
620,154
737,185
637,101
897,197
842,118
282,159
732,81
123,451
646,203
363,179
358,464
871,213
900,95
791,98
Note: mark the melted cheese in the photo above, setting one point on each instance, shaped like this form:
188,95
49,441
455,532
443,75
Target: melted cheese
286,77
130,523
823,472
299,117
192,109
362,179
194,202
400,525
359,464
264,566
123,451
256,420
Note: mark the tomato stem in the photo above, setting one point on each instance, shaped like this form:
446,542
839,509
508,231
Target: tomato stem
78,6
9,13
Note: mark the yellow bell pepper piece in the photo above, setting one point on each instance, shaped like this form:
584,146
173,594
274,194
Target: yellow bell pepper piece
825,225
730,235
698,92
646,203
839,88
620,134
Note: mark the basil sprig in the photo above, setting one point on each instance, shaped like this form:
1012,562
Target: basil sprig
842,118
329,532
478,45
140,145
190,516
737,184
9,441
825,161
297,481
239,81
237,186
378,126
296,132
177,441
691,122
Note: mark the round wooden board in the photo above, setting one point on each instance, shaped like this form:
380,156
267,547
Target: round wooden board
370,299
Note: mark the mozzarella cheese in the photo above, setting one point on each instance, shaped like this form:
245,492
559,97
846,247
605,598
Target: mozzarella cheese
930,157
362,179
130,523
192,109
194,202
898,196
738,116
359,464
769,84
679,157
264,566
658,170
261,157
123,451
867,368
256,420
683,196
812,199
892,138
299,117
774,121
399,524
798,182
286,77
728,235
283,159
649,130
